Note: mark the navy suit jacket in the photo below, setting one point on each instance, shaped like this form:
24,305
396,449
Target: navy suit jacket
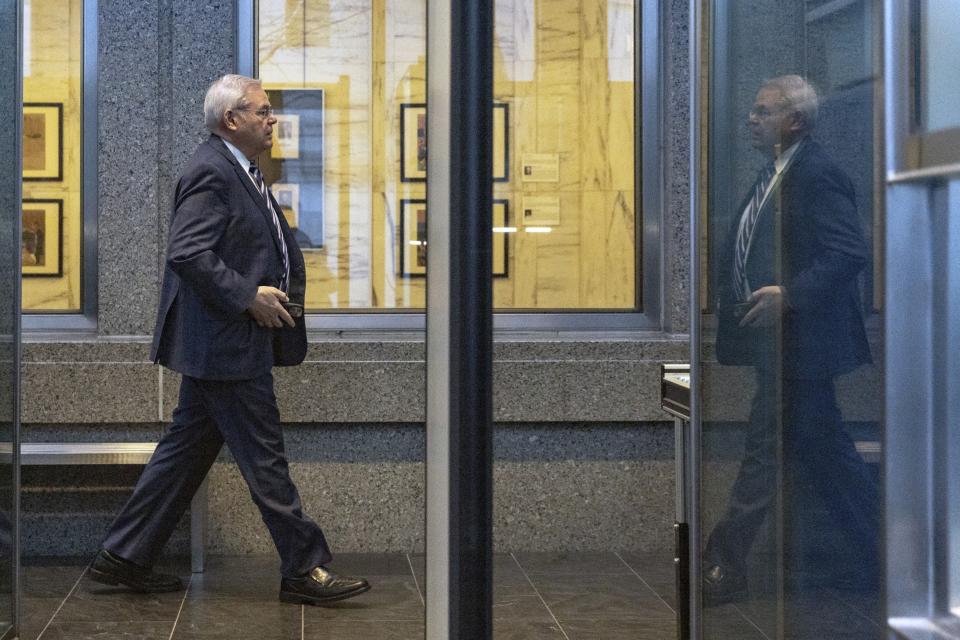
821,252
222,246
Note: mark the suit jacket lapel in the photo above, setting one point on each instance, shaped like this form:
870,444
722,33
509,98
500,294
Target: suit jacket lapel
247,183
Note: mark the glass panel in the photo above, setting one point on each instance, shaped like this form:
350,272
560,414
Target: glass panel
9,309
790,400
52,96
349,82
941,49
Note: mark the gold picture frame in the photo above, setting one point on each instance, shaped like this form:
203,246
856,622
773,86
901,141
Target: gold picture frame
41,246
43,141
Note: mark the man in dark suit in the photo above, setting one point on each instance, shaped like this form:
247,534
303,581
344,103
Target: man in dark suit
789,307
233,276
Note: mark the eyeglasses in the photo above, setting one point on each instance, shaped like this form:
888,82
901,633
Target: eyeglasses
762,113
263,113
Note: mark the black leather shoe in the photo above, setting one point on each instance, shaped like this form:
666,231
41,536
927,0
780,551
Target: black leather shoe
110,569
321,586
721,586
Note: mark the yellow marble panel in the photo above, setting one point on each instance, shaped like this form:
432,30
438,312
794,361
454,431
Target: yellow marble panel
622,145
620,256
558,30
594,127
593,28
608,246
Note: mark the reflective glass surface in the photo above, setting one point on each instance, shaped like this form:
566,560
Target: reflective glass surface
791,392
940,33
9,310
348,82
50,252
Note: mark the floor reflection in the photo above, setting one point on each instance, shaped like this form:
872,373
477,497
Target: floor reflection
576,596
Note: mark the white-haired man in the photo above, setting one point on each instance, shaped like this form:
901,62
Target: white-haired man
230,309
789,307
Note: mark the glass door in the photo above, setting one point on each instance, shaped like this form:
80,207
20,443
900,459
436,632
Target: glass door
788,425
10,206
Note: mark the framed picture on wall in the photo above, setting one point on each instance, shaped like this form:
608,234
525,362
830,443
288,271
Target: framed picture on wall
294,166
501,236
413,142
501,142
286,136
413,237
287,196
41,245
42,141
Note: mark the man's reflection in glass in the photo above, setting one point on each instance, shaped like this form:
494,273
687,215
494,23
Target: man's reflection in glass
789,307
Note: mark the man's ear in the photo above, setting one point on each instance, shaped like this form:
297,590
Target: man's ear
229,121
798,122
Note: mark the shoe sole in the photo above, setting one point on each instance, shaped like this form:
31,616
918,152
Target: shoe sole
106,578
297,598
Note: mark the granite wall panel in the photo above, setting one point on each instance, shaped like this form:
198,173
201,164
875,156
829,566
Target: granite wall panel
129,106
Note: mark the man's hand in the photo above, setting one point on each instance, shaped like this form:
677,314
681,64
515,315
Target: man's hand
267,309
768,304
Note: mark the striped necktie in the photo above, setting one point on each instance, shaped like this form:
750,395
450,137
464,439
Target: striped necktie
261,185
748,222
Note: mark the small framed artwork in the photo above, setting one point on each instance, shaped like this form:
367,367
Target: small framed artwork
413,142
286,136
413,238
501,234
42,239
501,142
43,141
287,196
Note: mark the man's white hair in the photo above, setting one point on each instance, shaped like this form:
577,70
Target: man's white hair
226,93
799,96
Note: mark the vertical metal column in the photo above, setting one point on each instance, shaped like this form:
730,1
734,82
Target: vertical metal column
459,320
693,436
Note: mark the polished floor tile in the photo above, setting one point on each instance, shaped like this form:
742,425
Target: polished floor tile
224,618
389,598
107,631
621,629
571,562
537,596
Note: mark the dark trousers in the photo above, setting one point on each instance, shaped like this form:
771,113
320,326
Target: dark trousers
818,456
243,414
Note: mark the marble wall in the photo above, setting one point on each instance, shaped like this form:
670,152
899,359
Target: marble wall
564,69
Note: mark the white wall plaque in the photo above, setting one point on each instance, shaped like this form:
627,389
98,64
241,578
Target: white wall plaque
540,167
540,211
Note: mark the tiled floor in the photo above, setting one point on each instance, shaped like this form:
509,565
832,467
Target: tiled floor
595,596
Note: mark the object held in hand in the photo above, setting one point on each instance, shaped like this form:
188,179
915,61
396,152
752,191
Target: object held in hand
294,309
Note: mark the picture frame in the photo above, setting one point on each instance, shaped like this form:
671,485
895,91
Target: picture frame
287,195
413,142
501,237
286,137
295,164
501,142
43,141
41,245
413,238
